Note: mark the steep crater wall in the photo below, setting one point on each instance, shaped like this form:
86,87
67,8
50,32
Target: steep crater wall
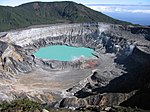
118,53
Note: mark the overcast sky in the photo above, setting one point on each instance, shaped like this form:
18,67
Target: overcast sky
137,2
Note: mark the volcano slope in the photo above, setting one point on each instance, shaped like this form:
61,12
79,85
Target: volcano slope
117,74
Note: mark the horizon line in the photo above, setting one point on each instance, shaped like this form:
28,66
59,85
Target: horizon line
118,4
87,4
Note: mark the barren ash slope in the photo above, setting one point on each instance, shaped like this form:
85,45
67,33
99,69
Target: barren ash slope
117,74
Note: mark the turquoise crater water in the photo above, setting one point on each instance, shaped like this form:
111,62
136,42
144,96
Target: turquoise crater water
63,52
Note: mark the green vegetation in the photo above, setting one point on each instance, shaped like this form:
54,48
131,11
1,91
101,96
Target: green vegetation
22,105
26,105
37,13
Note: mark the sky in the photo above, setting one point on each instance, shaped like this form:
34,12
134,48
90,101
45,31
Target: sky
135,2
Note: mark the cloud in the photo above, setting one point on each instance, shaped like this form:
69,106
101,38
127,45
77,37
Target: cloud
118,8
139,11
14,3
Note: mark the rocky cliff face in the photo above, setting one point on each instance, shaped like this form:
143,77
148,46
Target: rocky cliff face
114,74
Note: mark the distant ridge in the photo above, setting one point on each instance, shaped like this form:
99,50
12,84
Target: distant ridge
36,13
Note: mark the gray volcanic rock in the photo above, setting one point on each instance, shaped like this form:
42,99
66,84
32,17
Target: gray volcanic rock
101,100
111,76
75,103
14,60
145,31
3,46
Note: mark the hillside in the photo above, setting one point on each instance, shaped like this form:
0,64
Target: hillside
36,13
